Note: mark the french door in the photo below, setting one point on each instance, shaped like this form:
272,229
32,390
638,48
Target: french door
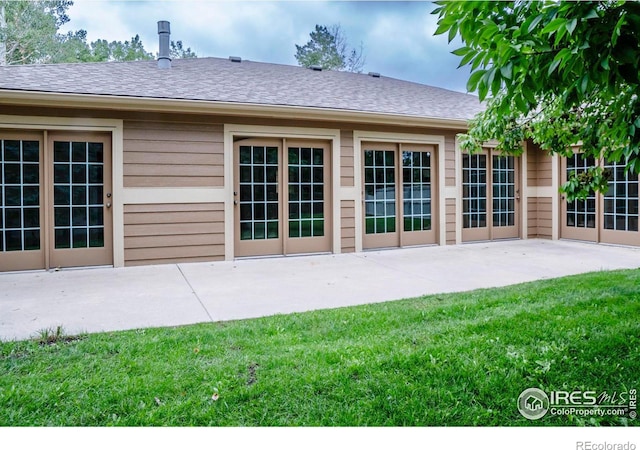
579,218
55,200
611,217
282,197
21,201
490,196
399,196
79,212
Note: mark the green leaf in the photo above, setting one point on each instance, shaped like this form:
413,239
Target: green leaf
592,14
453,31
528,94
584,84
616,30
507,70
442,28
534,23
461,51
466,58
559,35
554,65
554,25
496,83
475,77
483,89
571,25
521,104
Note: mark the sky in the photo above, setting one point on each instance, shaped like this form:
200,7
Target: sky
397,36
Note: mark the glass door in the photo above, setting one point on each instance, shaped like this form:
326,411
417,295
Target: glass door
257,198
21,211
475,209
398,195
269,223
579,219
504,197
81,199
620,207
380,196
490,196
308,204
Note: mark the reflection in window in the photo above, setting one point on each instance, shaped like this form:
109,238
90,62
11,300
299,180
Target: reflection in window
78,174
380,191
306,192
19,195
258,192
474,191
416,190
621,200
581,213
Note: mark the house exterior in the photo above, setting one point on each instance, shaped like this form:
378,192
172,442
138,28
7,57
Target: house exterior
214,159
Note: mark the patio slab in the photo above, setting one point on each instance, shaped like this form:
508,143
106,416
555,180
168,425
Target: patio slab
108,299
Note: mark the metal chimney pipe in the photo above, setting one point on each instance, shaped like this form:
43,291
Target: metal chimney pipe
164,34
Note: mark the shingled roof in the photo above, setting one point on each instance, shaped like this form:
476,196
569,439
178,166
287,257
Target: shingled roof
246,82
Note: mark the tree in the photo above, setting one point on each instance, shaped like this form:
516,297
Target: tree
328,48
74,48
177,51
28,29
558,73
29,35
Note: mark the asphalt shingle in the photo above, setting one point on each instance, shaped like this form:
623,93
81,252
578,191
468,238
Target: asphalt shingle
248,82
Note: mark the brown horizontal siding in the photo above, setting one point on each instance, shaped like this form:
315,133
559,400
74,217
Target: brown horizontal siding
539,217
346,159
348,226
539,164
450,221
545,214
172,233
533,155
449,160
532,218
172,158
159,154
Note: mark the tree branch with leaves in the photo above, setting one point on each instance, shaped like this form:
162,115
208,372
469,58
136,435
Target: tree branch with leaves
559,73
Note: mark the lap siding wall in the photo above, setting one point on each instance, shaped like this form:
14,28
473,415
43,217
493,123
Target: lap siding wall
539,209
173,155
173,233
160,154
348,226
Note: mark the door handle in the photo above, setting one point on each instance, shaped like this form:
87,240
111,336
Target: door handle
235,202
108,205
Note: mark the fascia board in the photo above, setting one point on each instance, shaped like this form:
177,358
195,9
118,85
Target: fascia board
140,104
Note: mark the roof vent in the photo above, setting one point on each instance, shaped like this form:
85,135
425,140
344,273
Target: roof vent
374,74
316,68
164,34
235,59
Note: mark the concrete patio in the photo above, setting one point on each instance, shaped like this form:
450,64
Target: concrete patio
108,299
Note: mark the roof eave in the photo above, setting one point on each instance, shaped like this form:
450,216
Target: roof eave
147,104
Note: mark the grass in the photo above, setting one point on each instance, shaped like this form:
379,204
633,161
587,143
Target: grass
457,359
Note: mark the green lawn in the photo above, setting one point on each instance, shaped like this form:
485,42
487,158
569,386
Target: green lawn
458,359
